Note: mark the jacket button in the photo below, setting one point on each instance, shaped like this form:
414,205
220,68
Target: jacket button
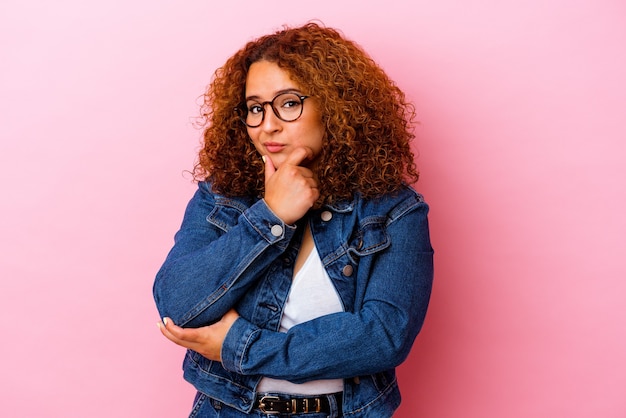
326,216
347,270
277,230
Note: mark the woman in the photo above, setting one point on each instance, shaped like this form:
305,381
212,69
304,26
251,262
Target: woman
302,271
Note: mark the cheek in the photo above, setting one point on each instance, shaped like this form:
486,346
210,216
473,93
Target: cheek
254,138
319,138
250,133
314,132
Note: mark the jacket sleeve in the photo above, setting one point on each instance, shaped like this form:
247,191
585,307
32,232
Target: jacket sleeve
375,338
212,264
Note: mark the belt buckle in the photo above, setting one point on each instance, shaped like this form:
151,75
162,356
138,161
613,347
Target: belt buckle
262,404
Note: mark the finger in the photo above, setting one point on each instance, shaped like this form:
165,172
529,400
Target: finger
177,341
177,334
166,332
298,155
269,167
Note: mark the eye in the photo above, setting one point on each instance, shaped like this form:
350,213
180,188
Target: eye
289,102
255,109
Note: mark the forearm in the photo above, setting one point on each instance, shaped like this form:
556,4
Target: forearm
376,337
340,345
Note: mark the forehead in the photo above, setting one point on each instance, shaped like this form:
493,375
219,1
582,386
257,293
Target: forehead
265,79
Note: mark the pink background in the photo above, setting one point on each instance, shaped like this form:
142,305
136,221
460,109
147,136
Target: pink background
523,124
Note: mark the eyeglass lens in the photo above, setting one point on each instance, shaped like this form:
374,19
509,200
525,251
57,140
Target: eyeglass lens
286,106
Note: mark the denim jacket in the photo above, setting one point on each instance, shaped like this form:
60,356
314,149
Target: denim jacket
235,252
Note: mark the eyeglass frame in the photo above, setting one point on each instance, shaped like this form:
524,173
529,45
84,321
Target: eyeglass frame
243,108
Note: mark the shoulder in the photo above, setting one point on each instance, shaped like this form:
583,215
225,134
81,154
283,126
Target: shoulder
207,203
209,207
392,206
208,195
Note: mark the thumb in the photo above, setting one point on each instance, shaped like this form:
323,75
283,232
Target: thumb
269,167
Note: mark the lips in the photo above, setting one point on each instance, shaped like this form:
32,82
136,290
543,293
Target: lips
273,147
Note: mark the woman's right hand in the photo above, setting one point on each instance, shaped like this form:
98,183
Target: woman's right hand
290,190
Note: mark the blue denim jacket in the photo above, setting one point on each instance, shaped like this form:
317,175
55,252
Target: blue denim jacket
235,252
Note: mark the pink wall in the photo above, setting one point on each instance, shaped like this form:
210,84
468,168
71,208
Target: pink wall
522,147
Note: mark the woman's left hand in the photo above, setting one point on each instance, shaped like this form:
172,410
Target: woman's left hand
206,341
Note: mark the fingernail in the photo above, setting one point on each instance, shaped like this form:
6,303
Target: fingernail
165,321
263,158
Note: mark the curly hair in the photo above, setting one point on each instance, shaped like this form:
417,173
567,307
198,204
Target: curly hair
368,122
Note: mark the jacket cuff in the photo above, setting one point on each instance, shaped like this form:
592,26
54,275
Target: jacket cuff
235,344
268,225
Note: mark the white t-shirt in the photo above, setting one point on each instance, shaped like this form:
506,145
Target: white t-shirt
312,295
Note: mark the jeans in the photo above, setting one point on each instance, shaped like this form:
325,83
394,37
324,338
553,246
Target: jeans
205,407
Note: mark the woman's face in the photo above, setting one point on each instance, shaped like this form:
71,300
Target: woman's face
276,138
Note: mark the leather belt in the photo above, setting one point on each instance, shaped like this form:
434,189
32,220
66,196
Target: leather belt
284,404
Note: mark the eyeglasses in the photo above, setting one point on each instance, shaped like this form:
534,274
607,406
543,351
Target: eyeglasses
286,106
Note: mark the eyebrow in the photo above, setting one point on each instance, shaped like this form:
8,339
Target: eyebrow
288,90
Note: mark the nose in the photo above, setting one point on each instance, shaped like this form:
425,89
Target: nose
270,122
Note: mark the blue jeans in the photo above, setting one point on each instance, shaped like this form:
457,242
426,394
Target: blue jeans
205,407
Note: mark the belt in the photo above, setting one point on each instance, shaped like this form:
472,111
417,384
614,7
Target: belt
285,404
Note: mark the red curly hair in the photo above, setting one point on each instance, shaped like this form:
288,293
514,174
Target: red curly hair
368,121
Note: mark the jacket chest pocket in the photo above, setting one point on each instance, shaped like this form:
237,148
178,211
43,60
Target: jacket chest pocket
369,238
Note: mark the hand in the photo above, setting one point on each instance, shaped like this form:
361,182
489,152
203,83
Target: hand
206,341
291,190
